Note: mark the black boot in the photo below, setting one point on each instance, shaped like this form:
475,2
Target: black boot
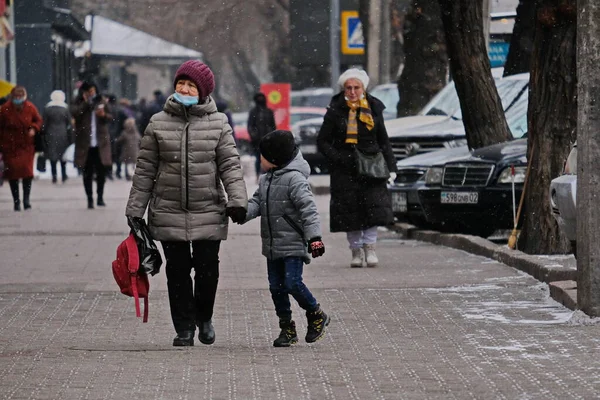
317,321
90,202
288,335
185,338
14,189
206,332
100,202
26,193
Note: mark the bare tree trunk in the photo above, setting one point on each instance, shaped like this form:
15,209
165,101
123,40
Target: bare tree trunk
588,136
518,59
426,62
552,116
481,107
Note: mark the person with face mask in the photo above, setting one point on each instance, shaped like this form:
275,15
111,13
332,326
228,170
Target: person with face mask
92,140
189,176
261,121
19,123
359,204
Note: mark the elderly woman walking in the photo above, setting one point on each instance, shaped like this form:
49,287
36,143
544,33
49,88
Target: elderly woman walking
57,132
19,122
353,125
188,174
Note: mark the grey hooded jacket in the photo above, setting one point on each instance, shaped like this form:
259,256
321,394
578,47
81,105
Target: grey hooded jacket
186,157
289,216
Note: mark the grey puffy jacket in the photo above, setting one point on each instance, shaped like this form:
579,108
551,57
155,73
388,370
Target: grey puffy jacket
186,157
289,216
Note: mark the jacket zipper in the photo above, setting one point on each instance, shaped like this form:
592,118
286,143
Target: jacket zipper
294,226
187,146
269,217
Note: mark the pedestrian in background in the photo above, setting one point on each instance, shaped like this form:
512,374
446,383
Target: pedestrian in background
189,176
57,133
92,140
290,228
358,204
19,123
261,121
129,144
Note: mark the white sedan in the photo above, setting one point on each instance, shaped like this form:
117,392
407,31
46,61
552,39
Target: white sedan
563,199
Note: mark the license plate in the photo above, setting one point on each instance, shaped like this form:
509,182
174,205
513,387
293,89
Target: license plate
459,197
399,203
308,148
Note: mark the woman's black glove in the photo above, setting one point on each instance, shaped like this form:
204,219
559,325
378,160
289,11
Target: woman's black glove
316,247
237,214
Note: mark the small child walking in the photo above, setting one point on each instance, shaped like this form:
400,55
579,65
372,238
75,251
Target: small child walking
290,228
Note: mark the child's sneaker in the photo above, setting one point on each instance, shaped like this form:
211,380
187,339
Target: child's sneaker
317,321
288,335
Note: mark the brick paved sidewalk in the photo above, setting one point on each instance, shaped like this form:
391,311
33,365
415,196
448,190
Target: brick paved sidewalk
430,322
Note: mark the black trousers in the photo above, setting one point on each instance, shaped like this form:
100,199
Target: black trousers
14,190
93,165
191,304
63,169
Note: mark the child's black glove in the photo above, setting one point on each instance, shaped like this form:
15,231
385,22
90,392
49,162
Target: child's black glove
316,247
237,214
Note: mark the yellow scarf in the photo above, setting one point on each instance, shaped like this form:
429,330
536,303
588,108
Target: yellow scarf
365,116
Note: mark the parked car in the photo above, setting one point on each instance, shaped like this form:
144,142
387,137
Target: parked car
563,199
297,114
389,96
439,125
242,137
305,133
414,198
312,97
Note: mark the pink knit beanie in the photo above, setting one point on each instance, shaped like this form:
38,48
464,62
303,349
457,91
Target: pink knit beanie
200,74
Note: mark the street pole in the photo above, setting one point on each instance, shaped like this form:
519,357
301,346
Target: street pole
374,41
588,157
334,43
386,51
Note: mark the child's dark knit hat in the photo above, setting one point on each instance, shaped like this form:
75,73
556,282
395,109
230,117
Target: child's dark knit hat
278,147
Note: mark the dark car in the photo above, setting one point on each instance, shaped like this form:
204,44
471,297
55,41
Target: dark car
412,170
474,193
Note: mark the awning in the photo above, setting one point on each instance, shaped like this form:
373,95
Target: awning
113,39
66,24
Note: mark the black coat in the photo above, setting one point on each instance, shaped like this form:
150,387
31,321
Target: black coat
261,121
356,203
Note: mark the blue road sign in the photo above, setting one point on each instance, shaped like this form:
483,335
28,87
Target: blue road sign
352,33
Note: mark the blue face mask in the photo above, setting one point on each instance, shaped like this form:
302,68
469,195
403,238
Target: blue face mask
18,101
185,100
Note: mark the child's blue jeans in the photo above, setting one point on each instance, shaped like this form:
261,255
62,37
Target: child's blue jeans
285,278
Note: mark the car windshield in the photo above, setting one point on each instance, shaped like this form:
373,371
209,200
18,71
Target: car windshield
388,95
446,102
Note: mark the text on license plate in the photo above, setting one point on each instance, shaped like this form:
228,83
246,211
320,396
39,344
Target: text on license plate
459,197
399,203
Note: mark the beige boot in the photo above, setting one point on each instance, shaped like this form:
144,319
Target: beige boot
358,257
370,255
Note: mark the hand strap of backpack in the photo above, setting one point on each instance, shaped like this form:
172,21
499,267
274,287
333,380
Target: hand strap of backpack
133,266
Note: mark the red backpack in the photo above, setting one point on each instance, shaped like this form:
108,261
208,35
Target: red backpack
125,270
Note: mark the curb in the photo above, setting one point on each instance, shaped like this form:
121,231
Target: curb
562,281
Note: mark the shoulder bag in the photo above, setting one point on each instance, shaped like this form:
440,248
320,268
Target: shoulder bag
371,165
